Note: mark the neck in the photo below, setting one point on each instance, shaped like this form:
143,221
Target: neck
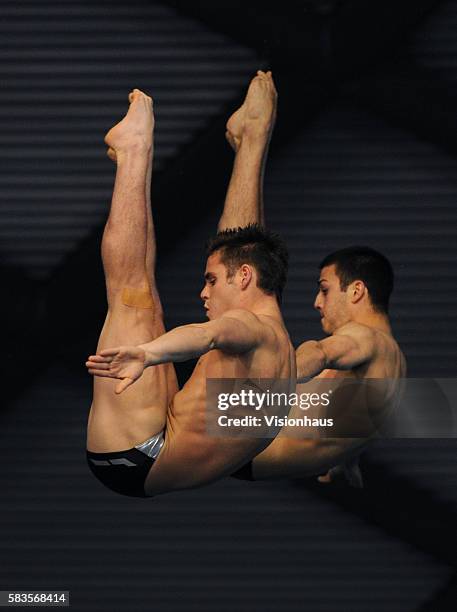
264,305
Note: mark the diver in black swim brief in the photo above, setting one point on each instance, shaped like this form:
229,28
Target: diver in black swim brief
125,471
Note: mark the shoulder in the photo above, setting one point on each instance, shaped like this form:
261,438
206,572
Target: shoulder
371,339
262,325
242,315
358,331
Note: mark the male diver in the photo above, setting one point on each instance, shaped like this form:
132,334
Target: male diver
354,288
145,436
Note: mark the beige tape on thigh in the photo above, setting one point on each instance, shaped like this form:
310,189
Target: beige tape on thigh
137,298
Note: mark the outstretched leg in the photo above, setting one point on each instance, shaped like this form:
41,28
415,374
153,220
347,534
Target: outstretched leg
249,131
119,422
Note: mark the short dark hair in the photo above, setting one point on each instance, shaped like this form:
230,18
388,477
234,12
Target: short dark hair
365,264
258,247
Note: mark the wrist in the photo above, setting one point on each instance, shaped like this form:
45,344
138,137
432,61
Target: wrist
150,357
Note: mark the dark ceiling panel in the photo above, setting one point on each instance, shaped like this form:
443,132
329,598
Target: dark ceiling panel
65,70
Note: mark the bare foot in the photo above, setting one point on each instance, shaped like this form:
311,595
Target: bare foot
136,128
256,116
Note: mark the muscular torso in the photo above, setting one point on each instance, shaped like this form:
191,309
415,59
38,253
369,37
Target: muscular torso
289,457
190,456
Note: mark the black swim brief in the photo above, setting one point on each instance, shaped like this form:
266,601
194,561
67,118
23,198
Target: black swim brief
245,472
125,471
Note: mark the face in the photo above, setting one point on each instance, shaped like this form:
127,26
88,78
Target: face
218,294
331,302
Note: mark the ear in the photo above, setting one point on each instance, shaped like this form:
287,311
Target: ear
357,290
245,275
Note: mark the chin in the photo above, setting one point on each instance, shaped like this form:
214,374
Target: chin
326,328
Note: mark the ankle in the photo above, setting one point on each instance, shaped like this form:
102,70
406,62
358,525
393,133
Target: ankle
257,132
255,141
137,145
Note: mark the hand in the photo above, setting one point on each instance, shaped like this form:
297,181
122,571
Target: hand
348,472
124,362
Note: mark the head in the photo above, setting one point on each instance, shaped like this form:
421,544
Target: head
243,264
353,282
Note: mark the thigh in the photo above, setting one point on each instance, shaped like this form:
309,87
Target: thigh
121,421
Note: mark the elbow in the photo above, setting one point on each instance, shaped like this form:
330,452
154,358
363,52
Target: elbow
209,340
318,358
321,355
201,338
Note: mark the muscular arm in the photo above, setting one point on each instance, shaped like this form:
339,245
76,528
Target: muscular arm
237,331
349,347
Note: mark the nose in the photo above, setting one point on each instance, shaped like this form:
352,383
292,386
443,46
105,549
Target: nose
317,302
204,293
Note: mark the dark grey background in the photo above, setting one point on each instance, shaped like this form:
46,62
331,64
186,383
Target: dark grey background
364,152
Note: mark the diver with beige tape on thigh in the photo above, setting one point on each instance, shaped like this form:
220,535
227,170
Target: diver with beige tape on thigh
244,337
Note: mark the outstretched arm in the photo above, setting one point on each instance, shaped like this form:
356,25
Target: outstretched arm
238,331
248,132
350,346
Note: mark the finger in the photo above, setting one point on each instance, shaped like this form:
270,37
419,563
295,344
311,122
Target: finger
104,373
122,386
99,359
109,352
98,365
326,478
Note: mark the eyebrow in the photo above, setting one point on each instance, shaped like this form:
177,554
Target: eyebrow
209,276
321,280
